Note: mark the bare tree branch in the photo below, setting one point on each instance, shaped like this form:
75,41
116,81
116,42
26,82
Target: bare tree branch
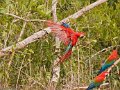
55,70
40,34
54,4
82,11
110,68
25,42
104,85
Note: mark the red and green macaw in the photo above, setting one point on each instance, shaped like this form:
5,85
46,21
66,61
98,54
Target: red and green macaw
67,35
98,80
110,61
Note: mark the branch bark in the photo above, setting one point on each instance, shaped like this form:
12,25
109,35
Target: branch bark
110,68
104,85
40,34
55,70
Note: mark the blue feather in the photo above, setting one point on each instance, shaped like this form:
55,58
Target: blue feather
105,66
65,25
69,47
91,86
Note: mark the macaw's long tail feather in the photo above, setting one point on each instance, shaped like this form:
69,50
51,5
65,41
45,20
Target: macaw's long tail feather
91,86
64,57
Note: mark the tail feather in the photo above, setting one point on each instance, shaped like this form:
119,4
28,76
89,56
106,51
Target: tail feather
91,86
105,66
64,57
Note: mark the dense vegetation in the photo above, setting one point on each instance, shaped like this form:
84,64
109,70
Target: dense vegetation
30,67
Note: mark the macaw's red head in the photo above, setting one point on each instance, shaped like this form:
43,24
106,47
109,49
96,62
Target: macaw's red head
80,34
103,74
113,55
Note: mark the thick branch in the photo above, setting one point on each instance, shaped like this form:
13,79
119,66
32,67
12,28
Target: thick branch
109,69
25,42
56,70
40,34
54,4
82,11
104,85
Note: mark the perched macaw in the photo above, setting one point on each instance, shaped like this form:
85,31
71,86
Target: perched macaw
98,80
110,61
67,35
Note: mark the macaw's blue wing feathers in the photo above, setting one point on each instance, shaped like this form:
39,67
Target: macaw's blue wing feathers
65,25
93,85
110,61
69,47
105,66
98,80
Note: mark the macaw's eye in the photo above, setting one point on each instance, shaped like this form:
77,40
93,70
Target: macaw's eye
82,36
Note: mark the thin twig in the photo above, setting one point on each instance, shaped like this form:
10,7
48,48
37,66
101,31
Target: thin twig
22,31
101,51
21,18
28,76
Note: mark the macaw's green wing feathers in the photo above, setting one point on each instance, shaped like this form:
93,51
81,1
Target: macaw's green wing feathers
109,62
93,85
98,80
105,66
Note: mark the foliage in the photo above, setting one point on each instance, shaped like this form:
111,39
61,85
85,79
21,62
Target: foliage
31,66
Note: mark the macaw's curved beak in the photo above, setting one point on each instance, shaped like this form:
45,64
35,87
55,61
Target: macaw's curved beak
81,34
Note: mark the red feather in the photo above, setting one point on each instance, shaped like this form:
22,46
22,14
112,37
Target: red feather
101,77
66,35
60,32
113,55
65,56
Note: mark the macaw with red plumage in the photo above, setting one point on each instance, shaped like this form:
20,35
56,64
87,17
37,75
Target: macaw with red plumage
98,80
67,35
110,61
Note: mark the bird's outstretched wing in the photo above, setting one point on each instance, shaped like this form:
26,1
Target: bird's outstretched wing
59,31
